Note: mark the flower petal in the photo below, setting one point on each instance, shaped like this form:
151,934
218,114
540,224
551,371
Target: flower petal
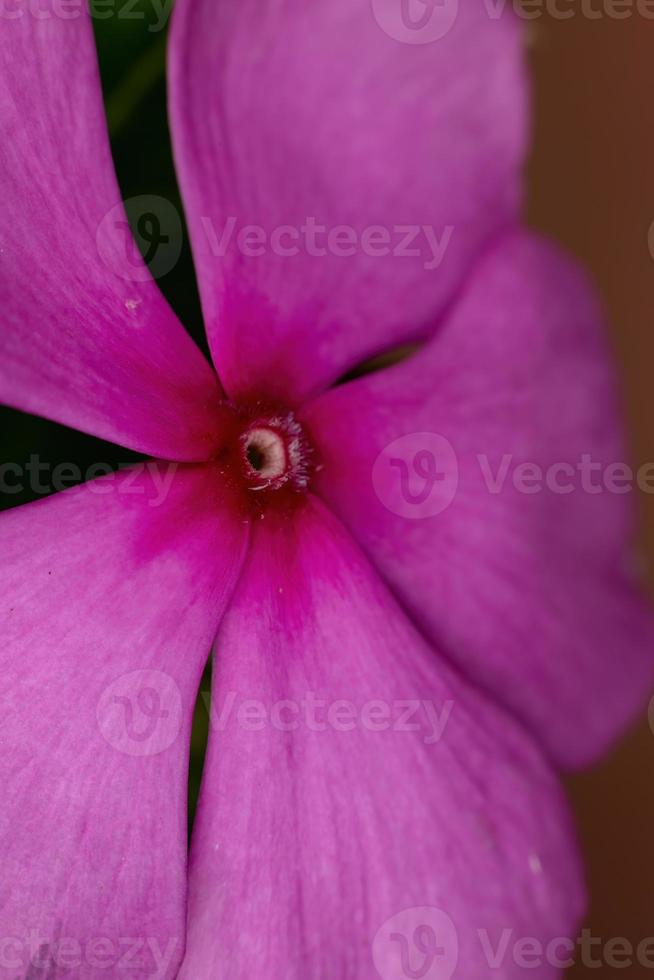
521,574
111,598
86,339
352,777
287,116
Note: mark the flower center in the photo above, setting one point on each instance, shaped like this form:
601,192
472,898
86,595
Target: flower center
275,453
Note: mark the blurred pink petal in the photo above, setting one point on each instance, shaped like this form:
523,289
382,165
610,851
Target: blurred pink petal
86,338
285,113
321,823
531,593
111,597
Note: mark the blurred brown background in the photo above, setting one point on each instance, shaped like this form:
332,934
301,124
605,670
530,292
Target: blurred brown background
592,188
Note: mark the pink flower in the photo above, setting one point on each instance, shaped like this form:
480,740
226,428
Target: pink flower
392,695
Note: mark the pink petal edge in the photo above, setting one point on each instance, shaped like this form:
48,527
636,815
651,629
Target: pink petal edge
313,839
111,596
285,114
532,593
86,338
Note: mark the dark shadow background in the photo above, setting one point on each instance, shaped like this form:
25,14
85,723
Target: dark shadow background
591,186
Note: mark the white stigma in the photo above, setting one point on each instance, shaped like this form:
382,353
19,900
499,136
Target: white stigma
274,453
265,454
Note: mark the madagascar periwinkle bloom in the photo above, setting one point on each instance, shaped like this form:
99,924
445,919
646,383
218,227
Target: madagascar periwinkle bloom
407,644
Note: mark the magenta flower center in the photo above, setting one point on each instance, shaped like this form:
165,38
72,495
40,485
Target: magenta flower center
275,453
